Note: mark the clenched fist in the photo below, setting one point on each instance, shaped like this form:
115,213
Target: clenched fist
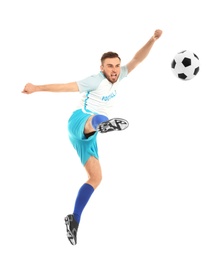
157,34
29,88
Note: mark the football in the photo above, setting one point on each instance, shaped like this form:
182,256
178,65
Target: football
185,65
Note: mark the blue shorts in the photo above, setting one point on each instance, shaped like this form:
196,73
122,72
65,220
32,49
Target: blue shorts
85,147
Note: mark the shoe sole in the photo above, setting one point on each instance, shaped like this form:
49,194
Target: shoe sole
69,234
71,238
114,124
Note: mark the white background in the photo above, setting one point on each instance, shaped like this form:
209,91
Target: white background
153,202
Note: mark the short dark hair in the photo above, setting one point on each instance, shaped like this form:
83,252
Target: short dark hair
109,54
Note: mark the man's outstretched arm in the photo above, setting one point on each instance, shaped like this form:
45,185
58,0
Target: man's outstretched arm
66,87
144,51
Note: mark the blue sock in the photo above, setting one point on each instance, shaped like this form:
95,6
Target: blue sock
97,119
83,196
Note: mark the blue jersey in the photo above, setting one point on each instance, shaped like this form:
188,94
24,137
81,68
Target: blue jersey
98,94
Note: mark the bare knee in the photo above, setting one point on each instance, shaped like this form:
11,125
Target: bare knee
93,169
94,181
88,126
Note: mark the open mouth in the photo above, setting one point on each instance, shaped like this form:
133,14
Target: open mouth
114,76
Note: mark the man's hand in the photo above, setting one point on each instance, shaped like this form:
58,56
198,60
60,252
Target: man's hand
157,34
29,88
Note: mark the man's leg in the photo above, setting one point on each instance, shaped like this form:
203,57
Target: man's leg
93,123
93,169
102,124
72,221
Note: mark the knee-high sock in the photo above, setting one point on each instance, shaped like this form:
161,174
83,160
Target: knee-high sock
83,196
97,119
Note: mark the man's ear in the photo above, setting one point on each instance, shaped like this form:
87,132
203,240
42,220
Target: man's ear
102,67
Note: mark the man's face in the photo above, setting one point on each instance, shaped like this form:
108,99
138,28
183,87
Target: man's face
111,69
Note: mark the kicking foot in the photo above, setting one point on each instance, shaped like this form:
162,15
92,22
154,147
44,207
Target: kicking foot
71,229
114,124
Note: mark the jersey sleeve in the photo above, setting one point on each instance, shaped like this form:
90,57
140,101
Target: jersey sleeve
90,83
123,72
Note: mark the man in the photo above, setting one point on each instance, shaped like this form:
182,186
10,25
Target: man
91,117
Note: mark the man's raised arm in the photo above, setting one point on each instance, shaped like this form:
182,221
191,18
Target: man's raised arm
144,51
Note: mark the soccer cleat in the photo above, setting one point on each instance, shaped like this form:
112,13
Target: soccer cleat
114,124
71,229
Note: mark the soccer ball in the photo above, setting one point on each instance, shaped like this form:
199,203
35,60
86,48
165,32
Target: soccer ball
185,65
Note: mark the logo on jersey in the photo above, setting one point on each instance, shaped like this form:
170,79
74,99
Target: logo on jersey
112,95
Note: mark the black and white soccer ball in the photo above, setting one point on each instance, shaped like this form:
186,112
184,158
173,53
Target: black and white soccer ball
185,65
